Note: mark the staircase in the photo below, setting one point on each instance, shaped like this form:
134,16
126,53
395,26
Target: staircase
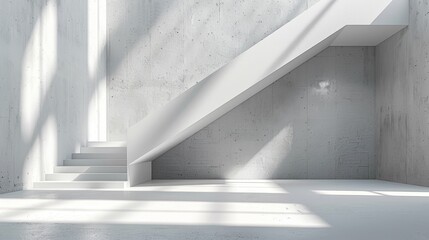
326,23
99,165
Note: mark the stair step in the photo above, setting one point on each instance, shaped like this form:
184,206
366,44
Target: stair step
95,162
90,169
103,150
86,177
80,185
99,155
107,144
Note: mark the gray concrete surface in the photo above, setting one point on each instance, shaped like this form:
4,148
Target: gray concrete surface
45,86
158,49
227,210
402,90
316,122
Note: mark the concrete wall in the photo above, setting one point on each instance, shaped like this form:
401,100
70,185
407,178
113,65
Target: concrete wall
158,49
51,94
316,122
402,90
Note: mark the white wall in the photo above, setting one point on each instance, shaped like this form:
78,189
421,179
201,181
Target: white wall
52,91
402,84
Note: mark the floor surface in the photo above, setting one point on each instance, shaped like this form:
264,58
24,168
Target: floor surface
204,209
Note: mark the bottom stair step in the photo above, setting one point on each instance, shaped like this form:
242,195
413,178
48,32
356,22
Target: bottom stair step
80,185
86,177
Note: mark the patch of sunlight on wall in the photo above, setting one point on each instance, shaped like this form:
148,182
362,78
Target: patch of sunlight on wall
38,72
323,88
49,44
38,68
96,95
50,146
30,84
42,156
31,169
263,163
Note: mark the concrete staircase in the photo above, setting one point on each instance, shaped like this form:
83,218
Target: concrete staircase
326,23
98,165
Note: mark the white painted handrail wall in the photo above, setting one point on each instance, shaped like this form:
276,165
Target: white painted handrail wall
327,23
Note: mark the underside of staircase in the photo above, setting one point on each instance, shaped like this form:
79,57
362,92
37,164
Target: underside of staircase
99,165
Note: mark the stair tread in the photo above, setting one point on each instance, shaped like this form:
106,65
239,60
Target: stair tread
80,184
59,181
85,173
90,169
86,177
90,166
99,165
122,159
95,162
99,155
106,144
105,150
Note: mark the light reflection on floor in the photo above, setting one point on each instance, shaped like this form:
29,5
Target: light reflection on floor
217,209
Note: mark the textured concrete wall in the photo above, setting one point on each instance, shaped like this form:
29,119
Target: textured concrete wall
49,75
158,49
316,122
402,90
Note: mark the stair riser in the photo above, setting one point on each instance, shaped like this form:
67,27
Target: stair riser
86,177
107,144
79,185
90,169
100,165
95,162
118,150
99,156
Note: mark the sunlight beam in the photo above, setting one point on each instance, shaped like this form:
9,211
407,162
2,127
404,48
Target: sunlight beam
262,164
97,96
159,212
346,193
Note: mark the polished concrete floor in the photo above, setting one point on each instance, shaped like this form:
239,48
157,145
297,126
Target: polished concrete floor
204,209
